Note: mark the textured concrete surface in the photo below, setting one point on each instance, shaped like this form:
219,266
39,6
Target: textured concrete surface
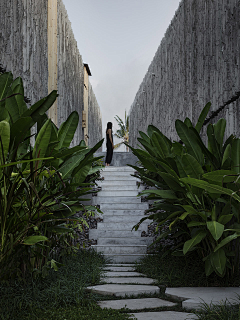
119,268
197,61
94,119
120,290
129,279
136,304
194,297
164,315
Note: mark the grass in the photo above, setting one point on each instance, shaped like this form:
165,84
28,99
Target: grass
174,271
59,296
222,311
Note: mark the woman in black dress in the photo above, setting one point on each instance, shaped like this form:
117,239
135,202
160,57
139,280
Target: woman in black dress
109,144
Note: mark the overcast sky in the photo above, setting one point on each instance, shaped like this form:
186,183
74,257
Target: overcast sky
118,39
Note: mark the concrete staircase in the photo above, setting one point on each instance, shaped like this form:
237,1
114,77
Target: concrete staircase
122,210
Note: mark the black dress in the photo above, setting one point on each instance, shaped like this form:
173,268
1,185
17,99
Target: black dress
109,149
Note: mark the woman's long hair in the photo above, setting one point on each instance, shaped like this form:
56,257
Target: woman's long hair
109,126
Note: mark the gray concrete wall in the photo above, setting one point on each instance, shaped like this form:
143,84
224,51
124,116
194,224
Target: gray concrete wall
197,61
24,52
94,118
23,44
70,73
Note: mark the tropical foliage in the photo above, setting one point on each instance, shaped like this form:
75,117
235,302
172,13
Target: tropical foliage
195,189
123,131
41,187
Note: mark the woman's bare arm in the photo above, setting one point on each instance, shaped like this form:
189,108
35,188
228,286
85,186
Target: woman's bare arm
110,137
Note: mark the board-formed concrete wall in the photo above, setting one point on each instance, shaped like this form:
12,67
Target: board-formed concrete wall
197,61
24,52
94,118
23,44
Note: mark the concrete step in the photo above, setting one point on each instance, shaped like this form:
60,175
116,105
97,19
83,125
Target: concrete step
126,182
118,193
137,304
120,290
120,226
116,249
118,188
96,233
125,241
110,177
125,218
112,274
116,169
123,206
124,258
118,200
128,280
120,267
130,212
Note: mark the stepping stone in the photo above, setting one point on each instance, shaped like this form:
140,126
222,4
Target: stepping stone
136,304
123,274
120,290
117,269
126,280
121,264
164,315
194,297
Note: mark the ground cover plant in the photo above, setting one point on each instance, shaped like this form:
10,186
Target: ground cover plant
195,191
59,296
42,186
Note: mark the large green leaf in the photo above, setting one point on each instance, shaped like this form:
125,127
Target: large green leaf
192,166
70,164
218,260
188,245
216,229
165,194
172,182
224,219
19,129
4,140
219,130
189,140
226,241
213,145
34,239
67,130
211,188
236,155
144,136
40,107
221,176
43,139
227,154
202,117
5,81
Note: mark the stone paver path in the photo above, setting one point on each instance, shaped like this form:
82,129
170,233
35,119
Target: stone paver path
126,274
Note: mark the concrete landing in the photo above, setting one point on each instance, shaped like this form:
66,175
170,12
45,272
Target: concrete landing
120,290
119,268
123,274
136,304
164,315
193,297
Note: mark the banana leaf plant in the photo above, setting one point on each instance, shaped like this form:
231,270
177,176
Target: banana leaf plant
195,189
41,187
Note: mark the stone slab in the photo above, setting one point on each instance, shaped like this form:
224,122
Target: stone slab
117,200
122,205
123,274
125,241
96,233
136,304
164,315
194,297
118,268
125,249
132,280
124,258
121,290
121,264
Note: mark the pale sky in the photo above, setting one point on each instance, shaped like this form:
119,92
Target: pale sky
118,39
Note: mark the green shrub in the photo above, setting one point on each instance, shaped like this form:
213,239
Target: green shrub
195,189
41,187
